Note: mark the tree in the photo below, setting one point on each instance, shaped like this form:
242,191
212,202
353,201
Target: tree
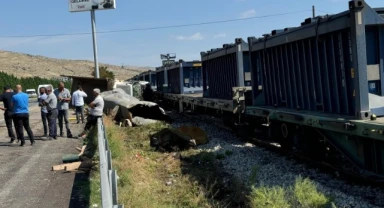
28,82
104,73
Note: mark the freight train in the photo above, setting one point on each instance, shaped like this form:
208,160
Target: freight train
316,87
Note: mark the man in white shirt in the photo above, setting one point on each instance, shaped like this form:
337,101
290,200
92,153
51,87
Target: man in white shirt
78,101
96,111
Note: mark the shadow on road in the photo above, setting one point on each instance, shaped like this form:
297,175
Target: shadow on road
81,191
5,144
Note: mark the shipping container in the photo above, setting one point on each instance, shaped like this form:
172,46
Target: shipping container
329,64
150,76
161,79
225,68
184,77
142,76
146,76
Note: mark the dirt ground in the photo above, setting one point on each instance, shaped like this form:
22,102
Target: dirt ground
26,179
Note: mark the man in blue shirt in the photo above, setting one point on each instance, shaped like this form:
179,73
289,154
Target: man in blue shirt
21,115
6,97
44,110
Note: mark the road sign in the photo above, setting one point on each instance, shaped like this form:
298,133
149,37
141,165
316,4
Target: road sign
89,5
168,62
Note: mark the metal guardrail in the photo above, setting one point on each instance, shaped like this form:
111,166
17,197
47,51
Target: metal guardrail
108,176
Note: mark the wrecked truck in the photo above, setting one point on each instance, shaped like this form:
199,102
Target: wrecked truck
126,108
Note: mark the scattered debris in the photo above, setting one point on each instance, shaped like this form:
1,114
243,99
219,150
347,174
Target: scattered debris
70,158
171,140
196,133
73,162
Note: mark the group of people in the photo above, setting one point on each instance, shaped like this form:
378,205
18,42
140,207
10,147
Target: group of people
16,111
54,106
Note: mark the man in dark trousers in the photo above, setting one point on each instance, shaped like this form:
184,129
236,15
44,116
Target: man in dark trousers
63,98
44,110
51,103
96,111
19,104
6,97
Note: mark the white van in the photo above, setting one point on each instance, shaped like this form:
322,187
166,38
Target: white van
31,93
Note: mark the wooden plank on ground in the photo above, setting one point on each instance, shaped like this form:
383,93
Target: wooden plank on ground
82,165
63,166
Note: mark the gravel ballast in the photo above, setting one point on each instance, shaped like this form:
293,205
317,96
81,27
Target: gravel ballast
275,170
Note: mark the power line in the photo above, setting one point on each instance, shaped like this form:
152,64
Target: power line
153,28
322,11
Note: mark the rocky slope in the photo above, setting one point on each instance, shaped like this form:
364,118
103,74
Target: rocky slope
25,65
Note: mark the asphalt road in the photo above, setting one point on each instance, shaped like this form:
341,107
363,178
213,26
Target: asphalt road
26,179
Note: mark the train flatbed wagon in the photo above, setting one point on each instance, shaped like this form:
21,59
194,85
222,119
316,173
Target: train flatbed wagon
322,83
317,88
224,72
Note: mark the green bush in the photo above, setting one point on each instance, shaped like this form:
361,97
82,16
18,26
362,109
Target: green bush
303,194
273,197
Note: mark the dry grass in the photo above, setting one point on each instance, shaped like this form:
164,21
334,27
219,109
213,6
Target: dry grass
94,187
189,178
25,65
144,173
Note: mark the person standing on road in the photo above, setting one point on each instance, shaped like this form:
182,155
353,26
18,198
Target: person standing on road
96,111
51,104
19,104
6,97
63,98
44,110
78,101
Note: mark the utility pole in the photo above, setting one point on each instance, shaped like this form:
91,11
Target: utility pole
313,11
93,20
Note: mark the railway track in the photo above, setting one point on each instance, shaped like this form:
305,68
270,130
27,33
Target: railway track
349,173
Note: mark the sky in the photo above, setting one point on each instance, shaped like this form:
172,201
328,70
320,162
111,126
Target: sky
28,18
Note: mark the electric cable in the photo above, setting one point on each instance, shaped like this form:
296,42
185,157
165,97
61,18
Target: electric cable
152,28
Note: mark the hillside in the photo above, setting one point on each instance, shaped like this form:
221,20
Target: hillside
25,65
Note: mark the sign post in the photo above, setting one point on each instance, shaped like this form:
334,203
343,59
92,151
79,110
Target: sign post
92,5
